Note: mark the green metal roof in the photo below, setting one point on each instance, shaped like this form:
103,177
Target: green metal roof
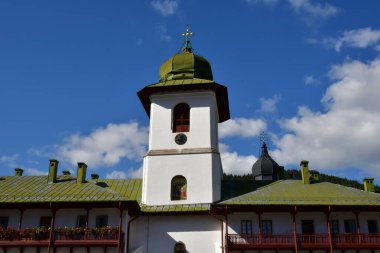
175,208
294,192
180,82
36,189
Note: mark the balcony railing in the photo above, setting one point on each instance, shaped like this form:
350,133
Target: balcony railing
310,241
61,237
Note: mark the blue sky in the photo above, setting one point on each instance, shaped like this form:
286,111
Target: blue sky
307,72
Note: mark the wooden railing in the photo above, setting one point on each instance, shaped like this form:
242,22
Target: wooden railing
41,237
309,241
255,241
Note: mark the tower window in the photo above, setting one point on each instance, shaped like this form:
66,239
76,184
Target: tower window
181,118
179,247
179,188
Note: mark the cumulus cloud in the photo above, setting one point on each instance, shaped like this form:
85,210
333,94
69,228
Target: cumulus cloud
236,164
165,7
106,146
131,173
308,8
162,32
9,161
311,80
359,38
36,172
345,135
269,105
242,127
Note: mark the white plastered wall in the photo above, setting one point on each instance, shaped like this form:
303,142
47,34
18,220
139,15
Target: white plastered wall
161,233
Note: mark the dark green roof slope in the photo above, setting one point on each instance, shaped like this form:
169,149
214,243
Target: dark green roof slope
235,187
175,208
36,189
294,192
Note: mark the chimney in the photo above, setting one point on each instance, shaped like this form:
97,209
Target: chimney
369,186
314,175
81,174
18,172
305,172
53,168
94,176
66,173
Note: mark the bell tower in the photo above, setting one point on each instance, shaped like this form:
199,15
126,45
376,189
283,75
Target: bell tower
182,165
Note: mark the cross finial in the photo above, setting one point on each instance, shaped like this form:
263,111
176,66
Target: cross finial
263,137
187,34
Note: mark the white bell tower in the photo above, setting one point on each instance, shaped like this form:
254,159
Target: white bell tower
182,165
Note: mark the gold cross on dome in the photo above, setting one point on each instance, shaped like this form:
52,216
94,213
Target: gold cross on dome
187,34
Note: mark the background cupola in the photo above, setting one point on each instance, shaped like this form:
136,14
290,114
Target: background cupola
265,168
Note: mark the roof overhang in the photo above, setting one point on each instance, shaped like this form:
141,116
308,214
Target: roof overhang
220,94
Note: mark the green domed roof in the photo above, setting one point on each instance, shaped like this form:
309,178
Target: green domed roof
185,65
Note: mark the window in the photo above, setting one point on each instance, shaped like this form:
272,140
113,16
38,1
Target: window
246,227
4,221
349,226
181,118
307,227
179,247
45,221
372,227
179,188
101,221
81,221
266,227
334,227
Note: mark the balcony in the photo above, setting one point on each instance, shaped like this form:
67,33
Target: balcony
66,237
314,241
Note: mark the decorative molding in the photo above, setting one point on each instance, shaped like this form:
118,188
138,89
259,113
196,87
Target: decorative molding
183,151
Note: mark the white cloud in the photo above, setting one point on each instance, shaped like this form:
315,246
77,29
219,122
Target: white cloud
313,10
241,127
346,134
130,173
235,164
269,105
116,174
359,38
35,172
165,7
9,161
162,32
311,80
106,146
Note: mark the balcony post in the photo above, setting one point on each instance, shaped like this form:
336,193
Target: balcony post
51,235
120,228
20,219
295,229
357,226
226,214
260,227
86,233
329,228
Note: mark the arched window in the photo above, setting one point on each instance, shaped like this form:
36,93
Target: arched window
181,118
179,247
179,188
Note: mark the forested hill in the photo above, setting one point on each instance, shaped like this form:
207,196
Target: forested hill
296,174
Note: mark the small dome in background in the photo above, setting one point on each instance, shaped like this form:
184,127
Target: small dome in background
265,168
